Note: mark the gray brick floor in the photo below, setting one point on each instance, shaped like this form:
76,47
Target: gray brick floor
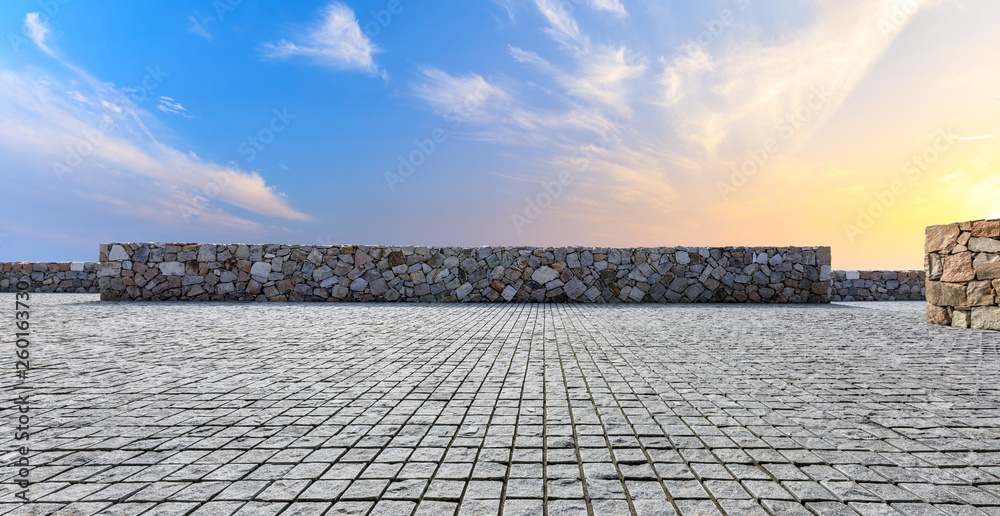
309,409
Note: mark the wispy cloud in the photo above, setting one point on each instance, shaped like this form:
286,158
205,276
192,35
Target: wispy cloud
459,95
91,133
41,123
612,6
337,41
681,111
169,105
38,31
530,58
562,26
726,96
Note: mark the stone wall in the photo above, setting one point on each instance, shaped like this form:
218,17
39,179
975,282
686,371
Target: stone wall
79,277
877,285
239,272
962,262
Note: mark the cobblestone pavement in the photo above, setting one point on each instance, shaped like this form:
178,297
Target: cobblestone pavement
309,409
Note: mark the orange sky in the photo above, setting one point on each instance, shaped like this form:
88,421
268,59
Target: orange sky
916,109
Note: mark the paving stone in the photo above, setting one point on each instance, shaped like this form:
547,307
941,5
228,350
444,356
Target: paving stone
479,506
642,507
524,507
345,508
854,408
306,508
217,508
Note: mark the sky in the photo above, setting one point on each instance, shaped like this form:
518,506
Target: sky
848,123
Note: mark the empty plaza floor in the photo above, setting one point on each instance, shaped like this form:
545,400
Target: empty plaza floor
513,409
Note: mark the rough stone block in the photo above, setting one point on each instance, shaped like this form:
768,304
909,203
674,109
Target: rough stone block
960,318
823,256
934,265
986,318
206,253
984,245
980,293
958,268
986,228
988,271
980,259
172,268
117,254
946,294
937,315
941,238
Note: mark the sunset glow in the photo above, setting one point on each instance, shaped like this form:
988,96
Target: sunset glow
852,124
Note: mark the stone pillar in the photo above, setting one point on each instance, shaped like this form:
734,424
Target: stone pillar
962,265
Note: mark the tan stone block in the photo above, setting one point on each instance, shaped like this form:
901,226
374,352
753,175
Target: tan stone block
940,238
960,319
945,294
937,315
980,293
988,271
986,318
958,268
963,238
965,226
986,228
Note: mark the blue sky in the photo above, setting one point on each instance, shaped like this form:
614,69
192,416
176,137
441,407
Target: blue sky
533,122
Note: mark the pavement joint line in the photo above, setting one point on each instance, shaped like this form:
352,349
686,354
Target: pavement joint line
704,444
621,476
614,459
517,420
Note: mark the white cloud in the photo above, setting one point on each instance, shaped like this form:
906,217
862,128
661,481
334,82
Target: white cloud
527,57
603,75
462,97
562,26
61,133
726,96
38,31
613,6
704,106
337,41
169,105
690,60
